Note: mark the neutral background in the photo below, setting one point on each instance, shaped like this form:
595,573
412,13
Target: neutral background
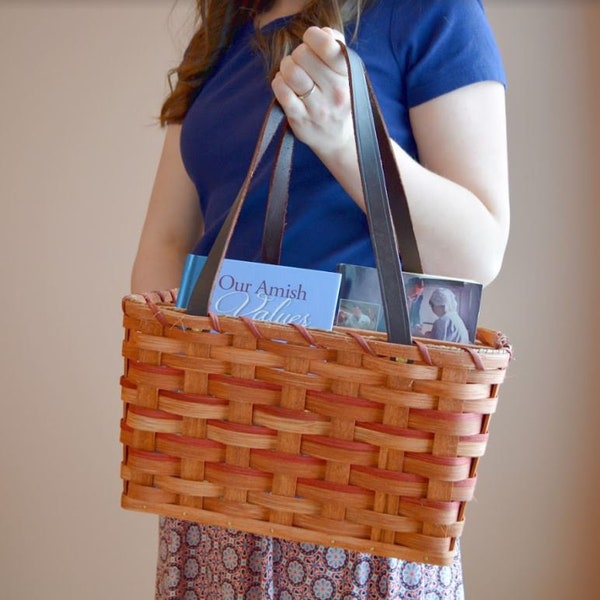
81,83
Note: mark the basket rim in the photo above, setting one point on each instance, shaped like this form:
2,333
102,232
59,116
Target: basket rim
160,305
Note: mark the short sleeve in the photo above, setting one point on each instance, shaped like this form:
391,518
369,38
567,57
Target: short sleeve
444,45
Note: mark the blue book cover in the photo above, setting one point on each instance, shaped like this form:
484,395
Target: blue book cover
266,292
439,308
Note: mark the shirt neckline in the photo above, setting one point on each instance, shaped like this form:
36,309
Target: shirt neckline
274,24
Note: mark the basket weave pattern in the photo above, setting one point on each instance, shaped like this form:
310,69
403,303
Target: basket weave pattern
331,438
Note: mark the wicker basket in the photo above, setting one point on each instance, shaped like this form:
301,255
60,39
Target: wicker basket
342,438
334,438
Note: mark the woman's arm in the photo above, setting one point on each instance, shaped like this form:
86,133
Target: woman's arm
458,194
173,222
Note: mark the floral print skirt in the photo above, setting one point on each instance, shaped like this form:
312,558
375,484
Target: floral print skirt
198,562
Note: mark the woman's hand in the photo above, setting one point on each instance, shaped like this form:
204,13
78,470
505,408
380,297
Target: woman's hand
313,90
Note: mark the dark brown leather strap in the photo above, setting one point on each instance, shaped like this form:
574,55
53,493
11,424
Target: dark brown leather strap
389,221
200,296
375,192
398,202
279,190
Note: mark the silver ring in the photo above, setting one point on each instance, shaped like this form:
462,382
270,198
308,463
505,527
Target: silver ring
304,96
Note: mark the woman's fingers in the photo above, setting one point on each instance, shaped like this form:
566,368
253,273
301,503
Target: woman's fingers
318,59
297,71
324,44
291,97
312,89
317,65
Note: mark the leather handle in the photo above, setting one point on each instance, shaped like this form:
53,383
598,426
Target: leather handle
375,190
200,296
389,221
277,203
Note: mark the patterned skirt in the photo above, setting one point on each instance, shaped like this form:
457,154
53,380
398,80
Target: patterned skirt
197,562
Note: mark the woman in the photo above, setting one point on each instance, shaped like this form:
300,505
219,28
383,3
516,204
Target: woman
448,326
439,80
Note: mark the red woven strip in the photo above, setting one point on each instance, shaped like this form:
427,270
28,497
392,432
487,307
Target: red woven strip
156,311
247,383
153,414
126,383
424,352
251,325
477,438
476,359
187,440
451,417
194,398
125,427
399,431
391,475
307,335
214,320
446,461
341,444
362,342
289,413
350,401
437,504
332,486
152,455
157,369
240,427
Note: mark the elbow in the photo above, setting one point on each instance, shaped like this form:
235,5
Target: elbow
490,270
488,262
477,257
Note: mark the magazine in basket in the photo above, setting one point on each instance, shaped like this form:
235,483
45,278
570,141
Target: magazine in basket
265,292
439,307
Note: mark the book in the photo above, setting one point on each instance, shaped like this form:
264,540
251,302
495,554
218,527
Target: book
266,292
440,308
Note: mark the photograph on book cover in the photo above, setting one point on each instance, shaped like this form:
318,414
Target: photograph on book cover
358,314
439,308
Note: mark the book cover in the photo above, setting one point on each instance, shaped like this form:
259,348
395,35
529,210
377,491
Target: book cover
439,307
266,292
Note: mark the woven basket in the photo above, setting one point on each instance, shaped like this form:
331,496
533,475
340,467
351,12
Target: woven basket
344,438
333,438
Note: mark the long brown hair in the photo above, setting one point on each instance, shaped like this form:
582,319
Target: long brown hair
220,19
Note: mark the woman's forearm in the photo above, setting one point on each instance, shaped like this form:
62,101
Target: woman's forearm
457,235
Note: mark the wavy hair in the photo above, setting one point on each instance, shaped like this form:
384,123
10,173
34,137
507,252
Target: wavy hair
219,20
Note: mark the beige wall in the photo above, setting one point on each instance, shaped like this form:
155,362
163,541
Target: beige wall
81,83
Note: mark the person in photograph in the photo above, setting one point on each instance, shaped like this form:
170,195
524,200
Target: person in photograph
449,326
342,318
358,319
414,300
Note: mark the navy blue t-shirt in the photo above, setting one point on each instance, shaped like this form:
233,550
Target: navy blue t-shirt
414,51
